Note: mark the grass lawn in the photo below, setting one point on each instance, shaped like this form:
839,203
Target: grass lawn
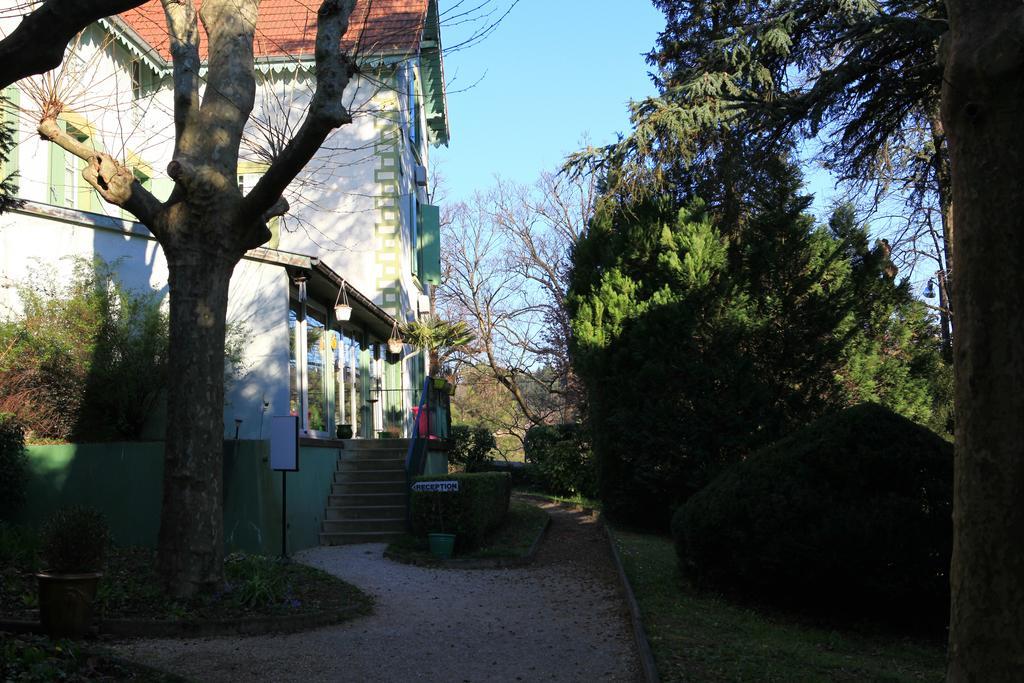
700,637
512,539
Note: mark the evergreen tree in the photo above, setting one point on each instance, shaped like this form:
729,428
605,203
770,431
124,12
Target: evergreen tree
739,82
698,347
8,188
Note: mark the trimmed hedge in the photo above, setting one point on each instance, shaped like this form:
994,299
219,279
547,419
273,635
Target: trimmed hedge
851,515
13,465
561,459
480,505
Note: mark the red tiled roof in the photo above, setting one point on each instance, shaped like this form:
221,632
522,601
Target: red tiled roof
288,27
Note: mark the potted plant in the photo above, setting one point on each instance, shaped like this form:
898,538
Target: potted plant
73,544
345,431
442,543
395,343
389,433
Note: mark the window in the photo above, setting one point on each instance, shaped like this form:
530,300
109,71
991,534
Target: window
414,234
67,187
307,368
136,70
70,180
413,108
347,387
333,374
316,371
294,380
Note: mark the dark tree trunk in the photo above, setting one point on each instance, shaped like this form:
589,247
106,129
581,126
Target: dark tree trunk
982,109
192,527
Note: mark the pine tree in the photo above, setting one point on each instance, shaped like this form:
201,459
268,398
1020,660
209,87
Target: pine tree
697,346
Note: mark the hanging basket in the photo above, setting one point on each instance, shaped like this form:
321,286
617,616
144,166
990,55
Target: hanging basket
395,343
342,309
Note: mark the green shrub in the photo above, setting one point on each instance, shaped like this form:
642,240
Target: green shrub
13,466
480,505
471,447
255,581
86,359
561,460
851,515
74,540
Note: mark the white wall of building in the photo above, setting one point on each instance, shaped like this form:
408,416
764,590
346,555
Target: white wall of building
336,213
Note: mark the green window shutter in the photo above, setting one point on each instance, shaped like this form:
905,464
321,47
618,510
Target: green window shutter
10,119
430,244
393,396
56,193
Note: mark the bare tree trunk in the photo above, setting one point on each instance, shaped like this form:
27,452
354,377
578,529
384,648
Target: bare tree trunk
982,105
204,228
191,524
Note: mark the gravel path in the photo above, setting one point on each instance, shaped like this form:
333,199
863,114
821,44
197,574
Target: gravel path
561,619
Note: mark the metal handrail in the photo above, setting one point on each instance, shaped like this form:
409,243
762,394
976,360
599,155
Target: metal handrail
424,404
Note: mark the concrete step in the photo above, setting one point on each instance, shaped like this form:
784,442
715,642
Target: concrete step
368,487
346,526
358,476
352,537
364,512
349,465
370,499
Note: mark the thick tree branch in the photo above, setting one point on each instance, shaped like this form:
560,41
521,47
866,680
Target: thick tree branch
230,84
183,28
326,112
37,44
110,178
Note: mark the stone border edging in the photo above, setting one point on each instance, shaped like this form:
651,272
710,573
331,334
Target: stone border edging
477,563
639,634
247,626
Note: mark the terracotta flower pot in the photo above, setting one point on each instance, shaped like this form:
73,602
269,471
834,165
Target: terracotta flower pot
65,603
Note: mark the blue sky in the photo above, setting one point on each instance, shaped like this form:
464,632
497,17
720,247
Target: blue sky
553,72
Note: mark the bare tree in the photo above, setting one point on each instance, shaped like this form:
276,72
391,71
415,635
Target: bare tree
982,100
204,228
506,275
38,43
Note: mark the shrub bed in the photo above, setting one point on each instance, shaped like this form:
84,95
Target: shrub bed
850,515
480,504
471,447
561,460
13,465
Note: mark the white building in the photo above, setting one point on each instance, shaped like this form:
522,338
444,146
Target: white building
360,227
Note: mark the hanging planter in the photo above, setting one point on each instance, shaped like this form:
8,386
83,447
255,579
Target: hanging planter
342,309
395,343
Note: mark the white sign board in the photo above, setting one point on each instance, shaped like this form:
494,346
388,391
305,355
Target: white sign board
436,486
284,443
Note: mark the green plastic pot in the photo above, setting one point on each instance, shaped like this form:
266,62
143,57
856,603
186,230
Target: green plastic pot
442,545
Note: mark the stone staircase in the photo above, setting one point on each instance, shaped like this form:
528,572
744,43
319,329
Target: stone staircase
368,499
